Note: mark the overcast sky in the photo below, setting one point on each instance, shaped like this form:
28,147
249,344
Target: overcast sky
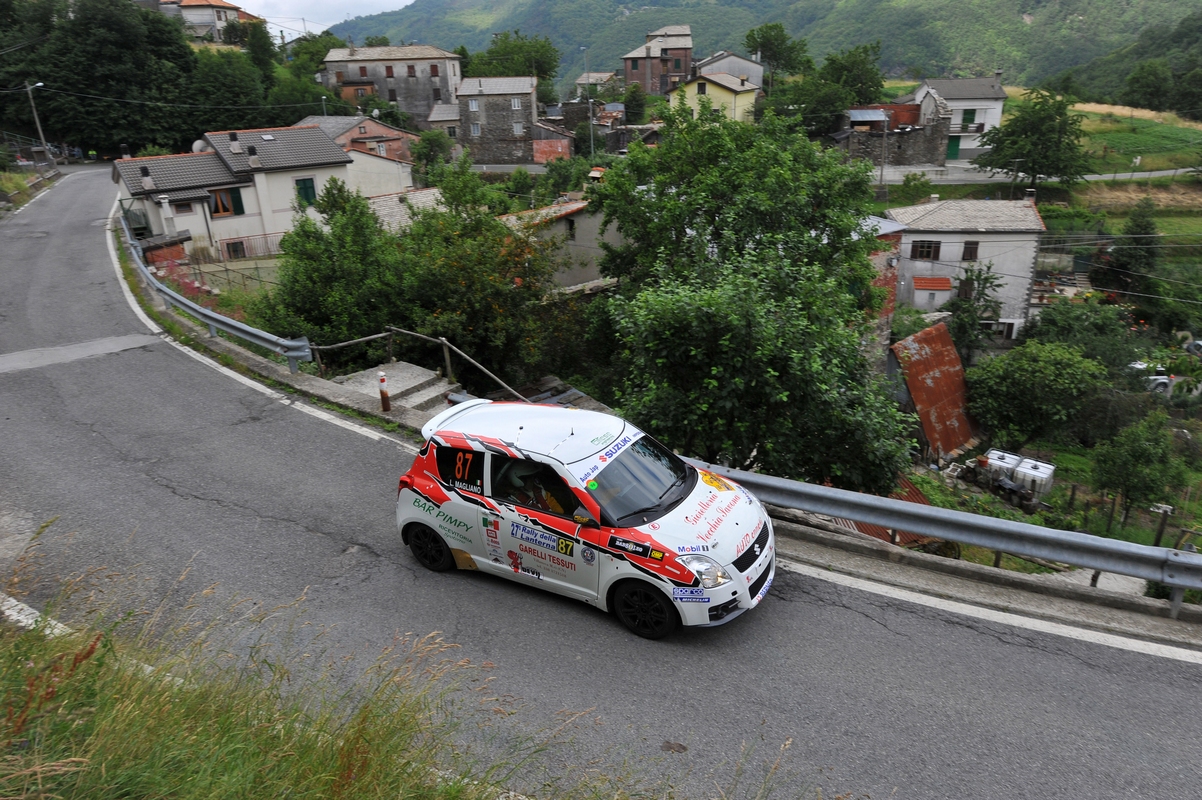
297,16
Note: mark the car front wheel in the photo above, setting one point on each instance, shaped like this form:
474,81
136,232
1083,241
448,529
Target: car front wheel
429,549
645,610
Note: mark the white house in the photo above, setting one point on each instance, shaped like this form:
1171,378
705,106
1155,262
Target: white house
372,174
207,17
941,237
975,104
732,64
237,195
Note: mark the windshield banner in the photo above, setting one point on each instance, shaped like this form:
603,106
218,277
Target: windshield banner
587,470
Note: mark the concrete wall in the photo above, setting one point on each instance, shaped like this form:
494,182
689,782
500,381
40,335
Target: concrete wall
372,175
925,145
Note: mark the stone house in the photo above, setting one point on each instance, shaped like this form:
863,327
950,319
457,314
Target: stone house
415,77
975,105
237,196
897,134
497,118
366,134
942,237
732,64
734,97
663,61
579,228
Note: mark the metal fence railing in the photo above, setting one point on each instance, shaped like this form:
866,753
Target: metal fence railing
295,350
1179,569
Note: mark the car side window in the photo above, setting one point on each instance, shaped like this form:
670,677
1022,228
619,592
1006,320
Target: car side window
531,484
463,469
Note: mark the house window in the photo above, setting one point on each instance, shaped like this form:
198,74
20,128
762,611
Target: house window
473,105
392,95
226,203
362,129
924,251
411,71
362,72
518,129
676,65
970,251
634,65
475,129
968,117
338,77
182,208
382,149
453,72
700,87
571,229
515,103
235,250
437,95
451,131
360,92
930,300
388,71
306,192
433,70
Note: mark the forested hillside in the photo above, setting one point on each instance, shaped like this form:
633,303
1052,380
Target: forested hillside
1029,39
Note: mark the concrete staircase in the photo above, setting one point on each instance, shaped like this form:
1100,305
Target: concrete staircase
410,387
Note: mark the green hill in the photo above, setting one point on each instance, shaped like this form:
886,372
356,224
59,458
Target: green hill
1028,39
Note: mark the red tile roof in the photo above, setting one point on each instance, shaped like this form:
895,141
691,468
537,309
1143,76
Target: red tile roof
933,284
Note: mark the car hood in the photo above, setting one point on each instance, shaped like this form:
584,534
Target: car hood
719,519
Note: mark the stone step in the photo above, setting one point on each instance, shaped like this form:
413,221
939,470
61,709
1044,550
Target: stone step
429,398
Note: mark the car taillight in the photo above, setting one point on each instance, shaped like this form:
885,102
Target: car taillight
404,484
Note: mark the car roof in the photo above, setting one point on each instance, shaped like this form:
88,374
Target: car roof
564,434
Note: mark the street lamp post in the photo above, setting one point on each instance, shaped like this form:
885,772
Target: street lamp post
29,89
592,148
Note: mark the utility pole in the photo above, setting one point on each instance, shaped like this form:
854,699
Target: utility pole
29,89
588,77
1014,174
885,147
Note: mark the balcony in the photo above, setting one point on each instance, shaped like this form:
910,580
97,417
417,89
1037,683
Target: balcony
971,127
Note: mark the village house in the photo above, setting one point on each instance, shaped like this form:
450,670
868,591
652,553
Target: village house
734,97
366,134
417,77
942,237
732,64
237,196
579,228
497,118
663,61
975,105
205,19
595,81
897,134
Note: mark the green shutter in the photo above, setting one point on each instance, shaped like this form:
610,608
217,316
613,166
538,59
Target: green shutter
306,191
236,200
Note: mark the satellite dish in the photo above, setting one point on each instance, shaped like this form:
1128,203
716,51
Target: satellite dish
375,113
199,146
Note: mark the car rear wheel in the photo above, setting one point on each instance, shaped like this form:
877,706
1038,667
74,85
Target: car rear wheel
429,549
645,610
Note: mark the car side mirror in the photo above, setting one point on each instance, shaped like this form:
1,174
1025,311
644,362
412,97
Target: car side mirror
582,517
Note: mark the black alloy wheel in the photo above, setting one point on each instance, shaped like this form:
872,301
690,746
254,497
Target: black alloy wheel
429,549
645,610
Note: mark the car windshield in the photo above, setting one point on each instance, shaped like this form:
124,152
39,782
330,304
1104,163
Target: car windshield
646,479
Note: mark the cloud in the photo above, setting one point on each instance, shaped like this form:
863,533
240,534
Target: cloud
295,17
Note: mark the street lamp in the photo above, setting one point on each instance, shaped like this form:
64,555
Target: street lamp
592,148
29,89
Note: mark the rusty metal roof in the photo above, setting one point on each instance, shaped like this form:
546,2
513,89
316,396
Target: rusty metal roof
935,378
911,494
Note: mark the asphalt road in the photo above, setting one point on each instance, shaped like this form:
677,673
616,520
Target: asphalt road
170,476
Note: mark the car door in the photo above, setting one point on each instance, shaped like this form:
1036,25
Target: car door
537,527
461,473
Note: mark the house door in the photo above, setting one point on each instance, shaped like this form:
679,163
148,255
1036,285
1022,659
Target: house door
953,147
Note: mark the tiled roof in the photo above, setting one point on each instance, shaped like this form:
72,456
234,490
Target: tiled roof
407,52
444,112
476,86
214,3
173,174
333,126
929,284
279,148
594,78
968,88
970,215
726,81
395,211
673,30
538,216
658,46
558,129
721,54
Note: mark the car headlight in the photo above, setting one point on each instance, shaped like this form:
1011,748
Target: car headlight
709,571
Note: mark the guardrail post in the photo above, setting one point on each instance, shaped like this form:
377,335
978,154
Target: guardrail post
212,330
446,354
293,366
1164,518
321,368
385,403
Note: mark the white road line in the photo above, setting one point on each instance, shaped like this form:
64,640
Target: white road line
990,615
325,416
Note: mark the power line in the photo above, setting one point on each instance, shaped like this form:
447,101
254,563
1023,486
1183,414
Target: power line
162,104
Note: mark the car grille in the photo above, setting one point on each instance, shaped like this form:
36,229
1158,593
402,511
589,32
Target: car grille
758,583
744,562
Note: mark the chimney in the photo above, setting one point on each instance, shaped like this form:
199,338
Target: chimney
125,151
168,219
147,181
932,199
235,145
742,81
350,43
997,76
1031,196
252,154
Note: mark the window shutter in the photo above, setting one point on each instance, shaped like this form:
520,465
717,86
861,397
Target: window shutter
935,251
915,251
236,201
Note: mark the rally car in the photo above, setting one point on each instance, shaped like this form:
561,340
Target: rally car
588,506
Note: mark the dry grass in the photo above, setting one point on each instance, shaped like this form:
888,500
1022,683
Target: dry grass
1179,195
1167,117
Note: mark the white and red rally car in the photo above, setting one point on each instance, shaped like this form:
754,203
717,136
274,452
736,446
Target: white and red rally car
585,505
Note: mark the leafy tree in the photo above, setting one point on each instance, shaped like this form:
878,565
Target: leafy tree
261,50
228,90
376,41
307,53
464,57
1041,140
1102,333
292,99
635,100
234,32
1187,99
716,189
1140,463
915,186
779,51
514,53
1150,85
152,150
816,105
389,114
974,305
430,151
1031,391
586,139
857,70
753,362
1133,257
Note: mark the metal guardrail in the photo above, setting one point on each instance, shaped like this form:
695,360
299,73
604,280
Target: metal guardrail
295,350
1176,568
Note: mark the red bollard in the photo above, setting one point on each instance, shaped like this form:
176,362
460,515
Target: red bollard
385,403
